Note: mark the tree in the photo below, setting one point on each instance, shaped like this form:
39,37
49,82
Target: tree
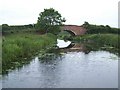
86,24
5,27
49,21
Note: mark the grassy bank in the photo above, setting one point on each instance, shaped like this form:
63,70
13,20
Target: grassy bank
106,41
102,39
17,47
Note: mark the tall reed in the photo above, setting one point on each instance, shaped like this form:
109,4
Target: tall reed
21,46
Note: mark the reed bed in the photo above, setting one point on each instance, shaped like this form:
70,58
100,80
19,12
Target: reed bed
18,47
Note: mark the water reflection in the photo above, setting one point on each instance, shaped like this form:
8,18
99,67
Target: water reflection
76,47
86,47
50,74
73,70
77,67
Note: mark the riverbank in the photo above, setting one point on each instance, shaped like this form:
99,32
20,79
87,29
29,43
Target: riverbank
106,40
17,48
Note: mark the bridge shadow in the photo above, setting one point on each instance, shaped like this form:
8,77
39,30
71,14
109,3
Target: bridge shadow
76,47
71,32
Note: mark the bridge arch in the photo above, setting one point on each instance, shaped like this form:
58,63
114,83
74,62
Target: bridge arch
74,29
70,31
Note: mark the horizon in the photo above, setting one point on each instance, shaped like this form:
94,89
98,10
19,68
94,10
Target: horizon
63,24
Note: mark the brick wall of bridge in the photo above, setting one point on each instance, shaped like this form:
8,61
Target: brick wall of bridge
78,30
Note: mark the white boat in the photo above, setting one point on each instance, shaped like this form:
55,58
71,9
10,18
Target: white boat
62,43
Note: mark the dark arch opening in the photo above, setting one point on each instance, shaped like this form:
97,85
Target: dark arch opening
69,31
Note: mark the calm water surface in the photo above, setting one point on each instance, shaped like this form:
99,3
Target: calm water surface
74,69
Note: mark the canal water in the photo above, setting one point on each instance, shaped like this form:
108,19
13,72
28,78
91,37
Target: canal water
75,68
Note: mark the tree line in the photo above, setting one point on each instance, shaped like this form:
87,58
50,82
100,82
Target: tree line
6,27
100,29
50,20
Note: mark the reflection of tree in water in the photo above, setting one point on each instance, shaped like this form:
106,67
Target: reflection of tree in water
50,72
50,67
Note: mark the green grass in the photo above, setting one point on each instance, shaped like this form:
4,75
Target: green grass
64,35
19,31
103,39
109,42
21,46
0,54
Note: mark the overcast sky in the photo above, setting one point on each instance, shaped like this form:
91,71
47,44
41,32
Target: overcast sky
20,12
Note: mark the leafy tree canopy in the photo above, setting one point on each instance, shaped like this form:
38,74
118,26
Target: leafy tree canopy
5,27
49,21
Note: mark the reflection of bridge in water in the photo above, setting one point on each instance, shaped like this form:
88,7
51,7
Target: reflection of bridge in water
76,47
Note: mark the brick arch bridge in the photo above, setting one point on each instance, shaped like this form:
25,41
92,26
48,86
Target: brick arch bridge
74,29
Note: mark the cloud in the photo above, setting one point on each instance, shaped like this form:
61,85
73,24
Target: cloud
15,12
